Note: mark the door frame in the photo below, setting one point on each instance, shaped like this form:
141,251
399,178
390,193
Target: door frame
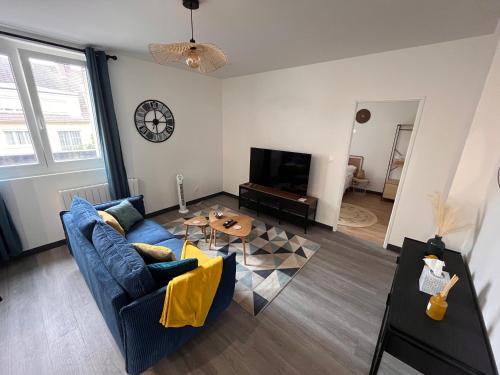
409,153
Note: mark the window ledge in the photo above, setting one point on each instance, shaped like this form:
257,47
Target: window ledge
44,175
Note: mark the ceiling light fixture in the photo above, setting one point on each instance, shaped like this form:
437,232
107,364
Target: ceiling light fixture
203,57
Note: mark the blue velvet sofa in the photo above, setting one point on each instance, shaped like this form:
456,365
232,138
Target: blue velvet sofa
134,322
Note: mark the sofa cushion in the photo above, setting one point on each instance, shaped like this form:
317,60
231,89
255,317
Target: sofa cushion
111,221
148,231
84,216
122,260
154,253
137,201
166,271
125,213
174,244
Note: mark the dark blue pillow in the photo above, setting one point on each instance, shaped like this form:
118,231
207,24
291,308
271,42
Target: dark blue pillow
165,271
122,261
126,214
84,216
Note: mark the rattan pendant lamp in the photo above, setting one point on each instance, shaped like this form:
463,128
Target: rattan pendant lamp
202,57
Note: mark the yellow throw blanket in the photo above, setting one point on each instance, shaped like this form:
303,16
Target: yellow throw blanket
189,296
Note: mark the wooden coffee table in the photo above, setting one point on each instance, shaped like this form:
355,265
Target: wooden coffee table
226,216
242,220
197,221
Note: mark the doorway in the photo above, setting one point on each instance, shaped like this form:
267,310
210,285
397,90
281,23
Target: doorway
379,150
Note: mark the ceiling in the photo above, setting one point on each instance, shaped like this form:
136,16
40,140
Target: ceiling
257,35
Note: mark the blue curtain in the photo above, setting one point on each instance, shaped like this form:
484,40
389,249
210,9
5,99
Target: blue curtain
97,66
10,244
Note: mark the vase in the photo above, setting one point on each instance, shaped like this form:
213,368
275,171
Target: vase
436,246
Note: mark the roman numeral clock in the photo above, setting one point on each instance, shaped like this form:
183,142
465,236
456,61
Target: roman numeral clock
154,121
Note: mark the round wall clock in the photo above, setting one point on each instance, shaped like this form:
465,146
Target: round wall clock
363,116
154,121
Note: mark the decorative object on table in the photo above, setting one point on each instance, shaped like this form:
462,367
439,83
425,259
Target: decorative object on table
446,220
180,194
355,216
218,214
276,257
437,306
202,57
433,279
154,121
436,246
363,115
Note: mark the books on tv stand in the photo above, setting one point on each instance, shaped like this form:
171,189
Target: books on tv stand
281,204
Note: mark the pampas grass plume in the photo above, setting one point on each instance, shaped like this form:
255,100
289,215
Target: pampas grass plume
445,216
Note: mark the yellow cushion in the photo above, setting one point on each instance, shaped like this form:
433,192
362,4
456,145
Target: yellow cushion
154,253
111,221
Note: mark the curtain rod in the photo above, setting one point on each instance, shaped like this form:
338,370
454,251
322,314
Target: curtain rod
53,44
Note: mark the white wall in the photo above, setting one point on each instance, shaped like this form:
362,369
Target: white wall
475,188
311,109
374,139
483,262
479,160
34,203
195,149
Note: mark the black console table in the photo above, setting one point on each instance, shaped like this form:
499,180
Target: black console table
458,344
282,204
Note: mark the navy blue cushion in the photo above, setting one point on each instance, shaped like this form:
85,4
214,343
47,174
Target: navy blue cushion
126,214
122,260
84,216
174,244
165,271
137,201
148,231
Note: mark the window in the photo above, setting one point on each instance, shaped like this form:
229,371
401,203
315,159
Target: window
70,140
46,115
18,137
64,100
13,121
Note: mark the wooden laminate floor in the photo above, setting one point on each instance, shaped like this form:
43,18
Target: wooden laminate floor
325,321
381,208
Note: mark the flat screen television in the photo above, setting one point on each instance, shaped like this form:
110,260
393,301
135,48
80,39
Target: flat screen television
284,170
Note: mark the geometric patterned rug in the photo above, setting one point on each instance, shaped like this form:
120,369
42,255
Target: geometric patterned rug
274,257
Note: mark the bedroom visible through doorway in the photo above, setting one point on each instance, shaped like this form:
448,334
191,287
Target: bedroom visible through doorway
380,140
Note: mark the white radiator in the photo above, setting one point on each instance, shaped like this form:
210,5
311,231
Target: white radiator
95,194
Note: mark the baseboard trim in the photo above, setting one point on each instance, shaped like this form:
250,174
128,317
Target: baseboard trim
62,242
324,226
149,215
396,249
42,248
176,207
229,194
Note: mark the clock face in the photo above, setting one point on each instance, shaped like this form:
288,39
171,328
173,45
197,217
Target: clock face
154,121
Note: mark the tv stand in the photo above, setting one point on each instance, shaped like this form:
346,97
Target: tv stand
281,204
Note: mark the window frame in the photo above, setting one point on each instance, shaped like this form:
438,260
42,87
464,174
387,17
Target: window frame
19,53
